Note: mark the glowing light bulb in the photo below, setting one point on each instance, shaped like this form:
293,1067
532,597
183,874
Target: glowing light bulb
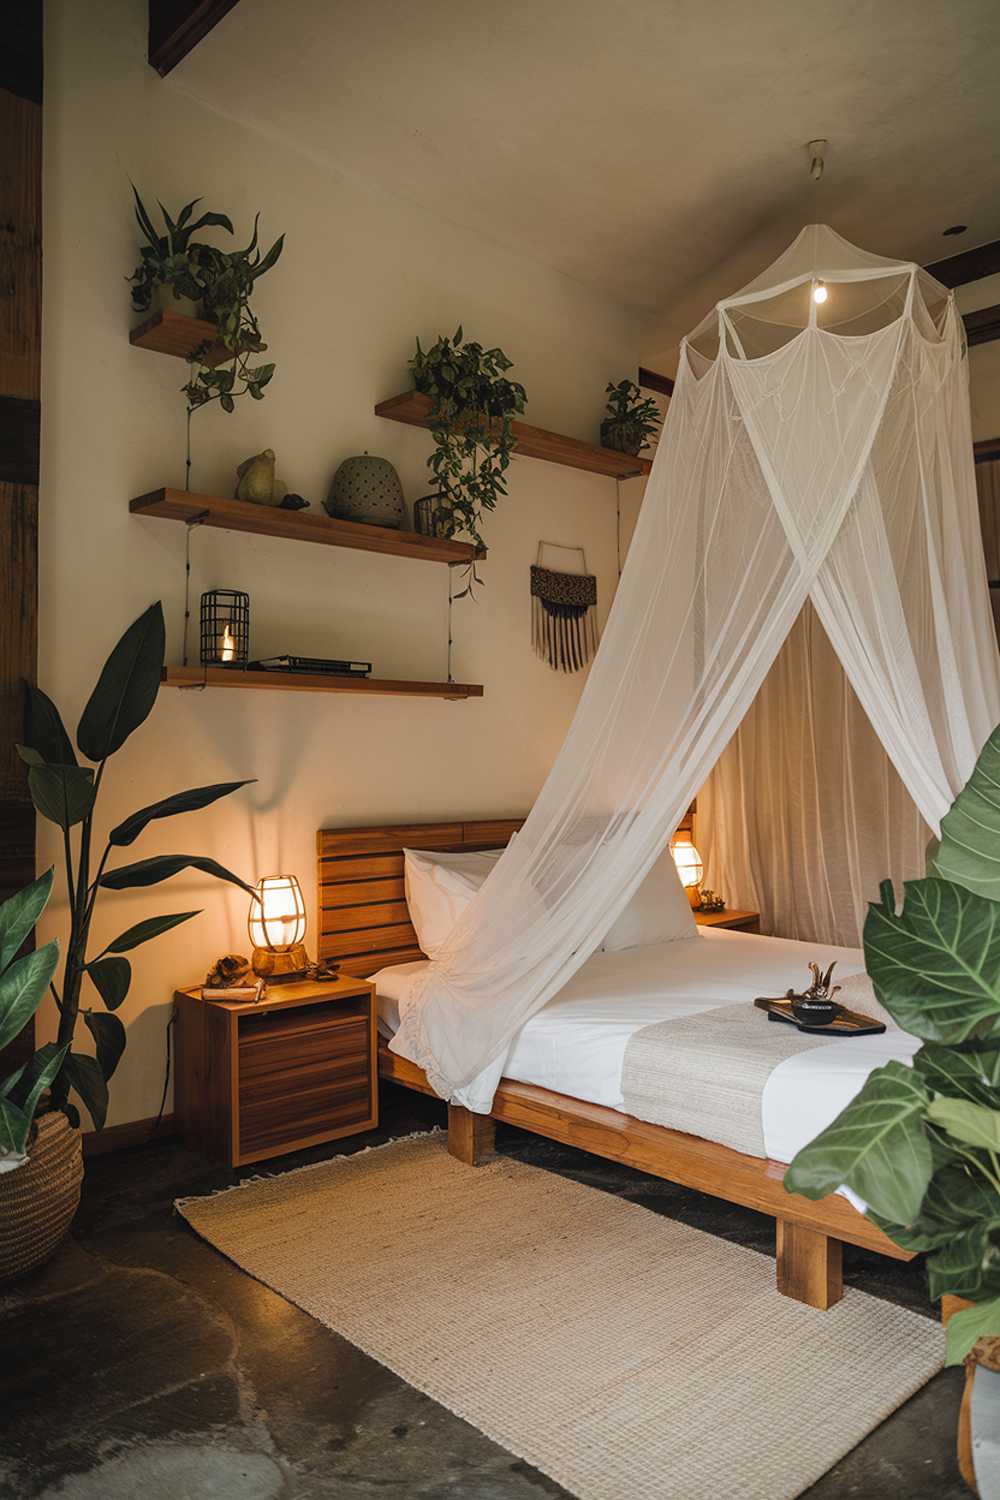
228,652
820,292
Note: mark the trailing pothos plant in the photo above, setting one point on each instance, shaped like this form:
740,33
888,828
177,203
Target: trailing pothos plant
224,281
474,405
66,792
23,983
921,1145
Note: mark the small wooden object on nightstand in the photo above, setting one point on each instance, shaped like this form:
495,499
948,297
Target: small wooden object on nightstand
745,921
254,1081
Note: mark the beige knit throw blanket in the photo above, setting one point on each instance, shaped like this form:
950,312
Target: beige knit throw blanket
706,1074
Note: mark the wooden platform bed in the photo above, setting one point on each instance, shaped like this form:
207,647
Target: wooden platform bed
365,925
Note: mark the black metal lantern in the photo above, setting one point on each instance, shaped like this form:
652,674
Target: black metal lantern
225,628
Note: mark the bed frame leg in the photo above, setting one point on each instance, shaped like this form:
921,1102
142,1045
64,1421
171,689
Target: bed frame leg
810,1265
470,1136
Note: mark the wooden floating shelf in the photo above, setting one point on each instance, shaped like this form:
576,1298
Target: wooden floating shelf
178,334
532,442
302,682
298,525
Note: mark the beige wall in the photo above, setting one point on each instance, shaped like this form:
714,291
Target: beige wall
362,274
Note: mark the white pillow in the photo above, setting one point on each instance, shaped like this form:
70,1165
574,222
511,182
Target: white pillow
438,889
659,912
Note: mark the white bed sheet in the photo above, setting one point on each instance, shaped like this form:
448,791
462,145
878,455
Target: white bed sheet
576,1044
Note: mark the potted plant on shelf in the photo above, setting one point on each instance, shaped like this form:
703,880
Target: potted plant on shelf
921,1145
474,404
65,792
186,272
631,419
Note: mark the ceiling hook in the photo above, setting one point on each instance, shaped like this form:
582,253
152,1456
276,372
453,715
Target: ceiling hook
817,158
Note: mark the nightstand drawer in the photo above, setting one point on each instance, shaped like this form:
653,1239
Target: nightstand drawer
302,1073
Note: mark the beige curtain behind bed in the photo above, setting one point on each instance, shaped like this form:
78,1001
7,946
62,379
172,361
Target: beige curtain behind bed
804,813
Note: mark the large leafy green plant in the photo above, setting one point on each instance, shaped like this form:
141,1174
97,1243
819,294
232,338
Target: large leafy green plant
631,419
23,982
224,281
474,405
921,1145
66,792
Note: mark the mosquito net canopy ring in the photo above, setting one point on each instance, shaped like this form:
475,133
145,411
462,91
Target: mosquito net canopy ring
814,450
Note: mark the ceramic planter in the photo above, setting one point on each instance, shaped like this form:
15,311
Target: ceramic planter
623,437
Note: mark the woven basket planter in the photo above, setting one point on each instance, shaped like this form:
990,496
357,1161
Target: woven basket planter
38,1200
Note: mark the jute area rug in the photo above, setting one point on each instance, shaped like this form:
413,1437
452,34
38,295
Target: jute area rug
627,1356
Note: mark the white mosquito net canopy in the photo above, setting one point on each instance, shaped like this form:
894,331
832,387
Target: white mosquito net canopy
813,450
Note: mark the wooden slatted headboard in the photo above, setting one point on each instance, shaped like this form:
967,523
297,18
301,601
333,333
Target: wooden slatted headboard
364,922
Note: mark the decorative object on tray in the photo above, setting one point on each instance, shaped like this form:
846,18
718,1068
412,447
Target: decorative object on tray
225,628
843,1022
321,665
920,1144
474,405
223,281
277,925
709,900
816,1005
563,612
690,867
293,501
367,489
631,418
255,480
66,793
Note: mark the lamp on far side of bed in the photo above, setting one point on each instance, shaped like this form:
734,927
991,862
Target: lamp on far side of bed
277,926
690,867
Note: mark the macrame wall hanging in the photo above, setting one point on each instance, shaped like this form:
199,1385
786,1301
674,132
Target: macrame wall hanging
563,612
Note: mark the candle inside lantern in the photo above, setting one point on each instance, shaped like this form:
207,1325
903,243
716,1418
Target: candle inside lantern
228,652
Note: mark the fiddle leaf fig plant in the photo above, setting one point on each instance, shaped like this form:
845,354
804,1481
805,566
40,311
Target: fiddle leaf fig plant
66,793
921,1145
474,406
223,281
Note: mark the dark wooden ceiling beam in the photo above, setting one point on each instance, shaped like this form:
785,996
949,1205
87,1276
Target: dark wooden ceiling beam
983,325
970,265
177,26
652,380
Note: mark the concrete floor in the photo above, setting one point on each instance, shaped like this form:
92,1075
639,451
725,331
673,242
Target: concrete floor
141,1365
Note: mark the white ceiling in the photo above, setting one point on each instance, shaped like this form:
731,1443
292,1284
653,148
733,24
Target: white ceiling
653,149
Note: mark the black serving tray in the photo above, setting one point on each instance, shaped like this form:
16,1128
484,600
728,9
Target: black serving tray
847,1023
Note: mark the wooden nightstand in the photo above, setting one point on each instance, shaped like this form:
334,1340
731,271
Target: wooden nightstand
254,1081
745,921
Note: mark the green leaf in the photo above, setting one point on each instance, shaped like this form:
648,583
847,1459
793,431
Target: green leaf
63,794
19,914
22,988
972,1123
877,1145
936,966
270,258
969,851
44,730
200,796
162,866
46,1064
86,1077
112,977
109,1034
971,1075
962,1266
126,689
14,1127
967,1327
150,927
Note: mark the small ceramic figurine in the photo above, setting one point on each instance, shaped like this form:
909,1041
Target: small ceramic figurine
255,480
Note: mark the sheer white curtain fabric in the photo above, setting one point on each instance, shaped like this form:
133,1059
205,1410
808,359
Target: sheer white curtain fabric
801,456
